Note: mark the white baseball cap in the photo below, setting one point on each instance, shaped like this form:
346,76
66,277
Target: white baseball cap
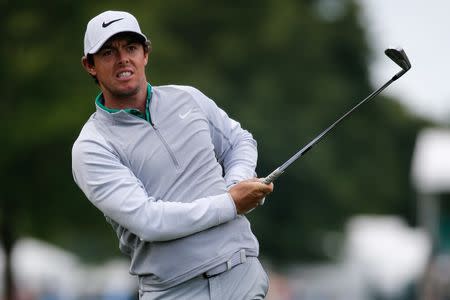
105,25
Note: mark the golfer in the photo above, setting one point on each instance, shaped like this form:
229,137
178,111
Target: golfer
171,172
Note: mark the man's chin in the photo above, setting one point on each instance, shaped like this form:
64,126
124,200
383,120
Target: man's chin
125,91
122,89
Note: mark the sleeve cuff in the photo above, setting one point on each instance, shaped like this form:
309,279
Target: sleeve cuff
238,175
225,206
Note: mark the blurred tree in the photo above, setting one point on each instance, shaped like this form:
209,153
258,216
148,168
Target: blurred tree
286,69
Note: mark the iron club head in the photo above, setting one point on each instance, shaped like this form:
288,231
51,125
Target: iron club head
398,56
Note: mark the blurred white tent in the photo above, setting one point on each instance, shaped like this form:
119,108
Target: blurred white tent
380,255
431,161
389,254
430,174
40,268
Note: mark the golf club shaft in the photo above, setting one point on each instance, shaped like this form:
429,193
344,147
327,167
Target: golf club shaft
278,171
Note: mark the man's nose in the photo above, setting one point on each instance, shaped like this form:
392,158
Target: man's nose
122,56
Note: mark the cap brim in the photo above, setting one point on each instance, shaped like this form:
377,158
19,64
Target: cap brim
100,43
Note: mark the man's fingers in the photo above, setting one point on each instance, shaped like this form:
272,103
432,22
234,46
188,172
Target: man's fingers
249,193
266,188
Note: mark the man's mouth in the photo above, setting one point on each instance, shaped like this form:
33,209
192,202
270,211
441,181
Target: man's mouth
124,74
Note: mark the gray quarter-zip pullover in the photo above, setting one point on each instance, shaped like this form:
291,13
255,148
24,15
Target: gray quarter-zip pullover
162,183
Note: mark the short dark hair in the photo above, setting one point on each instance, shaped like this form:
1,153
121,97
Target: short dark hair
132,37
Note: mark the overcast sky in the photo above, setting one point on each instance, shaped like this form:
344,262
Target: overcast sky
422,29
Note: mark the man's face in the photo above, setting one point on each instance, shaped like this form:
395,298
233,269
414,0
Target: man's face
120,67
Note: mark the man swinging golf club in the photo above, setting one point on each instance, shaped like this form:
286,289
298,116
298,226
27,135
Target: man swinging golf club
171,172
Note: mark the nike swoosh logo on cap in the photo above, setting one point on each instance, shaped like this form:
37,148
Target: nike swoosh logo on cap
104,25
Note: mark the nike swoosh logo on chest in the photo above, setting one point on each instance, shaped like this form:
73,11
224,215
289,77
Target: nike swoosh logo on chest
183,116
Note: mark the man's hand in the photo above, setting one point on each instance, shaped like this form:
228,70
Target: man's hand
248,194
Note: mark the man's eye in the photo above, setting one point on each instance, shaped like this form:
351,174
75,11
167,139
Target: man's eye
106,52
132,48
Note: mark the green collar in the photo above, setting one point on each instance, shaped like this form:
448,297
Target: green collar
100,101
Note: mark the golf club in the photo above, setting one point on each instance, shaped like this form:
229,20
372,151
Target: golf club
395,54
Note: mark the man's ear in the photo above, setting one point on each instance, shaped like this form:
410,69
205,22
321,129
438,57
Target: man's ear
147,51
88,67
146,55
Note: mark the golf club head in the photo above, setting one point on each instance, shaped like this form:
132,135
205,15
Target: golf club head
398,55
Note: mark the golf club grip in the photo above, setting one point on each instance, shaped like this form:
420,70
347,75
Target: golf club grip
272,176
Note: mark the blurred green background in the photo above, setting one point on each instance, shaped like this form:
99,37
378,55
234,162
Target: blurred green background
286,69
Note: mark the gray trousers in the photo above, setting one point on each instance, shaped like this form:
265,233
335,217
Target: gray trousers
247,281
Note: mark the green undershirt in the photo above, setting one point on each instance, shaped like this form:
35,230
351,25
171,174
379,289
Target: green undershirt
100,101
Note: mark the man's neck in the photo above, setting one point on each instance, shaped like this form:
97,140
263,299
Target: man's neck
135,100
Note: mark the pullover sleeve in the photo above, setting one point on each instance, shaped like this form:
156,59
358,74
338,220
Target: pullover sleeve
119,194
234,146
